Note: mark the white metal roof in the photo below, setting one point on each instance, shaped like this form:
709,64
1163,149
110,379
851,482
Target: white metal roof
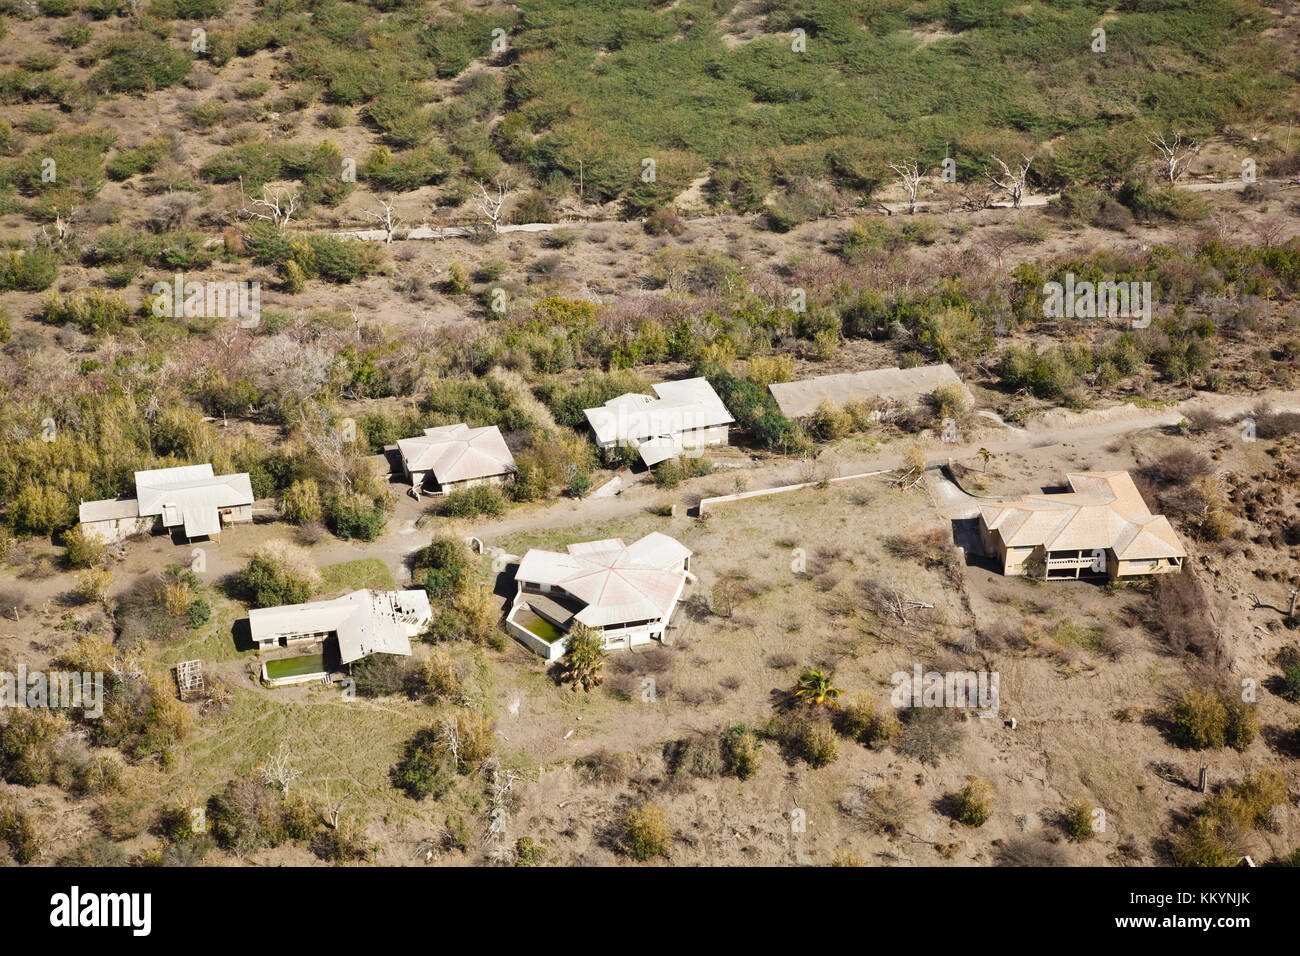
618,583
364,622
458,453
903,386
195,493
192,490
676,407
109,509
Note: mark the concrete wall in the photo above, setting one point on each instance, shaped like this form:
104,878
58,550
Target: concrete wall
115,529
431,486
1131,568
548,652
696,437
237,514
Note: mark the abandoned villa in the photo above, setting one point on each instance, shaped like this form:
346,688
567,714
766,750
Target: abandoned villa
1101,526
627,592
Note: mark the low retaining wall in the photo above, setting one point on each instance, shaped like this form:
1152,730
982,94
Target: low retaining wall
742,495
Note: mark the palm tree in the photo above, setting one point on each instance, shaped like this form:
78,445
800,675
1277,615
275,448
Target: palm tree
586,652
815,688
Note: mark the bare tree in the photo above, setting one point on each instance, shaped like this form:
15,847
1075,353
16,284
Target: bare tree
279,770
909,175
332,815
275,207
1011,181
489,205
389,219
1269,232
999,243
888,598
1174,154
1256,603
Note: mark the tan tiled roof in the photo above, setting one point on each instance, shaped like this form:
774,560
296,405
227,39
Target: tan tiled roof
1103,511
618,583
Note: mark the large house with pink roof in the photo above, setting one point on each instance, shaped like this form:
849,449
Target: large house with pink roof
1100,527
449,457
627,592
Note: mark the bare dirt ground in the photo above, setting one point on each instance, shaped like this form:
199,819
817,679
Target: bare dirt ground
1082,717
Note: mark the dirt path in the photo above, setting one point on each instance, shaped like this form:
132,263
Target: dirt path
1029,200
1055,427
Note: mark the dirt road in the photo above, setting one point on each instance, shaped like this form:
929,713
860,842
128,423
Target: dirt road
408,530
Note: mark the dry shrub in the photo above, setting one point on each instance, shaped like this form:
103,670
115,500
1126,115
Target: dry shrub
929,547
929,734
1202,420
603,768
1180,613
864,722
1030,851
885,809
1179,467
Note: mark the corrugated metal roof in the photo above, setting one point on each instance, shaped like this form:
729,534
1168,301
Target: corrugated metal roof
618,583
677,406
193,490
458,453
110,509
195,493
364,622
903,386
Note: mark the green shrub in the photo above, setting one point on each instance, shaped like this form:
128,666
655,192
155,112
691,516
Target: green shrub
645,832
742,751
277,574
458,281
1078,821
342,260
1199,720
973,804
32,271
83,549
132,162
1204,720
139,63
1291,683
528,852
473,502
200,612
442,567
430,762
1219,827
382,675
355,516
301,502
96,312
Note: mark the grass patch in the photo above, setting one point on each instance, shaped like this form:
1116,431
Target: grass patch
354,575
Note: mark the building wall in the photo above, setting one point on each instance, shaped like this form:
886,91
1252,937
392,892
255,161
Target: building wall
237,514
431,486
116,529
286,638
1131,568
717,435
